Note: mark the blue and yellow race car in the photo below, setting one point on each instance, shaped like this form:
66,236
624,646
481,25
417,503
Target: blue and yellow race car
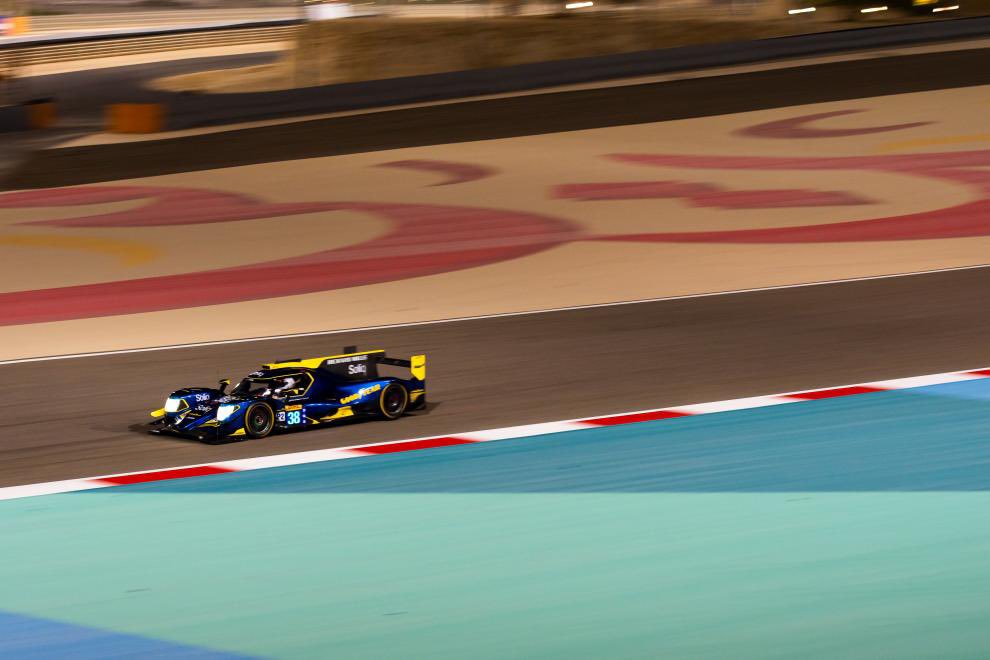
295,393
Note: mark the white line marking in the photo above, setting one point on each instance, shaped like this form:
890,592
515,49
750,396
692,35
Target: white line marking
297,458
50,488
524,431
482,317
732,404
924,381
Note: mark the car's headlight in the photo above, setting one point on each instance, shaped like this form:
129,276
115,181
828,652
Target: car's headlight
173,404
225,411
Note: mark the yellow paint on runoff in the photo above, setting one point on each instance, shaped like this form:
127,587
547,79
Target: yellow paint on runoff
127,253
932,142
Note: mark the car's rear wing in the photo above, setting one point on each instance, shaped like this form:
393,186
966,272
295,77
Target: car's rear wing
416,365
353,364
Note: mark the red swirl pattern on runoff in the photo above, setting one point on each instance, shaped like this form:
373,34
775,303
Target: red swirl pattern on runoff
455,172
966,168
424,240
432,239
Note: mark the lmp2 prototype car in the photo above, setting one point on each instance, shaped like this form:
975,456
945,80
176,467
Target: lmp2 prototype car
295,393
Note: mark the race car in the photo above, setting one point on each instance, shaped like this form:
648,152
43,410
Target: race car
295,393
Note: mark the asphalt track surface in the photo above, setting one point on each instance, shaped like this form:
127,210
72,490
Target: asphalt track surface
74,418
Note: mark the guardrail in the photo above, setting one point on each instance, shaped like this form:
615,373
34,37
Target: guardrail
156,18
30,51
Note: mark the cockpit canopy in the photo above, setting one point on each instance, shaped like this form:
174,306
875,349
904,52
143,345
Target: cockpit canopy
254,387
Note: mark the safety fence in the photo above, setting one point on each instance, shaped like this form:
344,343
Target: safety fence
22,53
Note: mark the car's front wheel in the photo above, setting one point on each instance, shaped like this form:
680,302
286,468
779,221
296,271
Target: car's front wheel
259,420
393,401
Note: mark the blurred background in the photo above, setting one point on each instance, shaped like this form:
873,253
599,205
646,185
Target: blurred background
662,219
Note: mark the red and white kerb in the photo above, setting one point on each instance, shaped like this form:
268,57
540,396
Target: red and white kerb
529,430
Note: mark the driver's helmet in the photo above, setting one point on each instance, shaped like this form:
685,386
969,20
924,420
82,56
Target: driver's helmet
286,385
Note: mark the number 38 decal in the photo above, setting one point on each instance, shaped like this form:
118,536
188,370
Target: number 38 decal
291,417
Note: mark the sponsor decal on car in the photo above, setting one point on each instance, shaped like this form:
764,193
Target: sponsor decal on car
346,359
361,393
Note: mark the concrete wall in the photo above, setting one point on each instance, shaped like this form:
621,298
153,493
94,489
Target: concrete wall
192,110
378,48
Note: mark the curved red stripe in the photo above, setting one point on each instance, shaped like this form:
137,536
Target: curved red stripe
708,195
796,128
456,172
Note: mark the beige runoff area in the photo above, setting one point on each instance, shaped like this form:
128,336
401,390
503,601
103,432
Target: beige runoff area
578,273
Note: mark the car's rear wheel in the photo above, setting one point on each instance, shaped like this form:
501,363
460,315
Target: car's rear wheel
393,401
259,420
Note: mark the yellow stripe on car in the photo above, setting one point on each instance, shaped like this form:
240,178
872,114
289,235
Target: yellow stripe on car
340,414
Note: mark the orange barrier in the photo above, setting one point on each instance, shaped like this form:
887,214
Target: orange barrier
20,25
42,114
14,26
135,117
39,113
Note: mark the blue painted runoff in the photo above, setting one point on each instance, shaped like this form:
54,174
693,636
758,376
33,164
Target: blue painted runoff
34,638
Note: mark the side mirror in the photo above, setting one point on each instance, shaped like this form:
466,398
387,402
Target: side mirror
224,382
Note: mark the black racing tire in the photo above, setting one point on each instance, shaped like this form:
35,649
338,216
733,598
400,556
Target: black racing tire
259,420
393,402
